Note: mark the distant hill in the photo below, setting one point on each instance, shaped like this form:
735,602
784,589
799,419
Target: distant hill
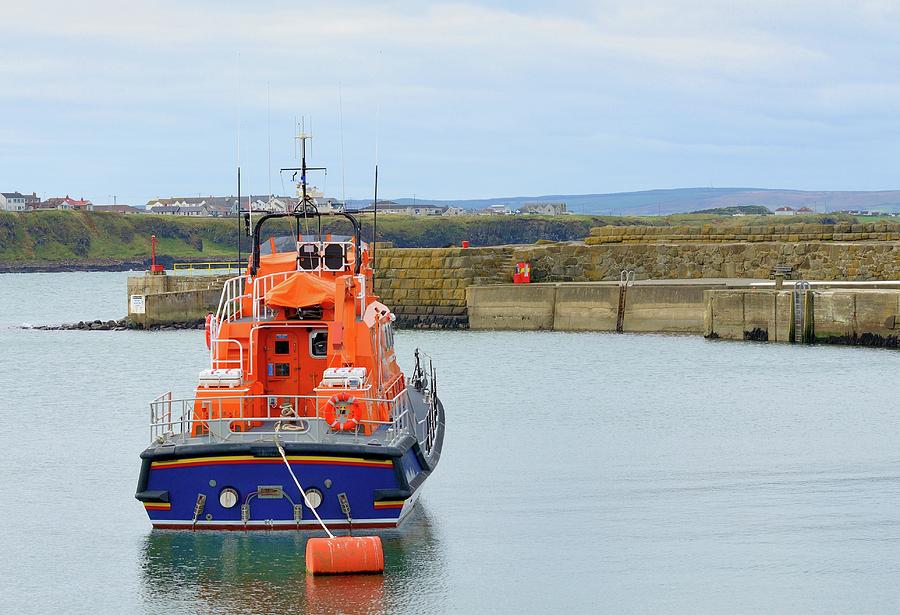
684,200
747,210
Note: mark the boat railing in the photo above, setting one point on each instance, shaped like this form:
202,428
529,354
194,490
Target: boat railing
231,304
261,286
217,351
205,420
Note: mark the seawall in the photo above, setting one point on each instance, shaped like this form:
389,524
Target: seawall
670,308
869,317
164,299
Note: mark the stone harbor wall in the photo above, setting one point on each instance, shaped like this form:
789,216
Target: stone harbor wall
876,231
572,262
426,287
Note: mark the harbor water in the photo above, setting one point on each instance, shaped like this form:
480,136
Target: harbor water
581,472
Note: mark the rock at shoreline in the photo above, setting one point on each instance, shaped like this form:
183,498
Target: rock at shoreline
123,324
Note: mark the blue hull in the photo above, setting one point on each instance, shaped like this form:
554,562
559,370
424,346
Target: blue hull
380,489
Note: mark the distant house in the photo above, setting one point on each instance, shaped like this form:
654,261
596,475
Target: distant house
805,210
419,209
12,201
118,209
494,210
65,203
544,209
164,210
455,211
785,211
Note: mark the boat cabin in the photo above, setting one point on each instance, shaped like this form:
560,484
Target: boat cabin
298,338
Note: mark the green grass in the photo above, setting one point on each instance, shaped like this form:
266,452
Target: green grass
62,235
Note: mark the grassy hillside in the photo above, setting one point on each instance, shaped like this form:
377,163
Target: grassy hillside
74,236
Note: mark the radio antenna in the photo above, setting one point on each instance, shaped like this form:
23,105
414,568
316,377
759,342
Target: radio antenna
341,114
375,203
238,105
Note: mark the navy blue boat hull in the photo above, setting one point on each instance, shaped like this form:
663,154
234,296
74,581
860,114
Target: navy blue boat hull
380,488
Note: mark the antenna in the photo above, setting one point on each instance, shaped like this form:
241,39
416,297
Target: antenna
375,223
238,105
375,203
341,113
269,136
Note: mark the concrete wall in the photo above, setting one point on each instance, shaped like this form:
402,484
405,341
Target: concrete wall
587,307
852,316
179,306
173,298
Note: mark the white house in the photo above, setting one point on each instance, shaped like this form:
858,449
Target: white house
785,211
12,201
544,209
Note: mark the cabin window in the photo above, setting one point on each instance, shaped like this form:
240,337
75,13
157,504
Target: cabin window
282,369
282,347
334,257
318,343
307,256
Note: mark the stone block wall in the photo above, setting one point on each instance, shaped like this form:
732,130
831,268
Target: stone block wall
426,287
708,233
814,260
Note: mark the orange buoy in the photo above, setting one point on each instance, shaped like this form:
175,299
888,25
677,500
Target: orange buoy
344,555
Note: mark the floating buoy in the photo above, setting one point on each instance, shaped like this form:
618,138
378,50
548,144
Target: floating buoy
344,555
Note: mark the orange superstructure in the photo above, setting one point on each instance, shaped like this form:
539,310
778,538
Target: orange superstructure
299,324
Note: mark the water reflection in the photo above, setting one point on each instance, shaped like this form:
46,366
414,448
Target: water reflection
262,572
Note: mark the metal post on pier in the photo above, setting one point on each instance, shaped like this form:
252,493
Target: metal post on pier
626,279
801,313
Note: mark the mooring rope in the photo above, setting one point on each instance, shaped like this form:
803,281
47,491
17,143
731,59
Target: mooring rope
297,482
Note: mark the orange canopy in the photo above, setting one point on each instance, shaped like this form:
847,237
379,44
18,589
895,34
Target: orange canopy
301,290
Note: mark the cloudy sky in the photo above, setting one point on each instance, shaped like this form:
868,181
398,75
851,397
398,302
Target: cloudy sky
483,99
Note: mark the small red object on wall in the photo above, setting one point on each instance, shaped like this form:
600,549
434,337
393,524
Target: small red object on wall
522,274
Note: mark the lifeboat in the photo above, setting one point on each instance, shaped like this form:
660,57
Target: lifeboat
301,361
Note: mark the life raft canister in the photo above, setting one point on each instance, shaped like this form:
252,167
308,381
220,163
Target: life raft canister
208,327
343,412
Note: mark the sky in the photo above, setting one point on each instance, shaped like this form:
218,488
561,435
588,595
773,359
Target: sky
454,100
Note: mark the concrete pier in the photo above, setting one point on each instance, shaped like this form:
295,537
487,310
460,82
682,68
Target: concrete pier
728,309
165,299
650,306
857,316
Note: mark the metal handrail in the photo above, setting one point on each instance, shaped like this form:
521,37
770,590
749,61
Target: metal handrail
215,362
208,266
166,427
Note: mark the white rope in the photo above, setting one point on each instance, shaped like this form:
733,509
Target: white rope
302,491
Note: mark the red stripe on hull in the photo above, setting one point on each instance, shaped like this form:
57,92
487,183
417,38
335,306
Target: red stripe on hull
270,461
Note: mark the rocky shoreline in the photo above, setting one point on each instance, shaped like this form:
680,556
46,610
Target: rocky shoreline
123,324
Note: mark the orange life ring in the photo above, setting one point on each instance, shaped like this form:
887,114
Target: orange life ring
343,412
208,327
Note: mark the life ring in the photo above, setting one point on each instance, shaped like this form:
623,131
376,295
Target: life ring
343,412
208,327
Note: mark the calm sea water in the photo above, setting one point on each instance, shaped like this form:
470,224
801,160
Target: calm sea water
581,472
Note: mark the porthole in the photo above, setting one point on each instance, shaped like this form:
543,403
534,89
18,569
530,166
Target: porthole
313,498
228,497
